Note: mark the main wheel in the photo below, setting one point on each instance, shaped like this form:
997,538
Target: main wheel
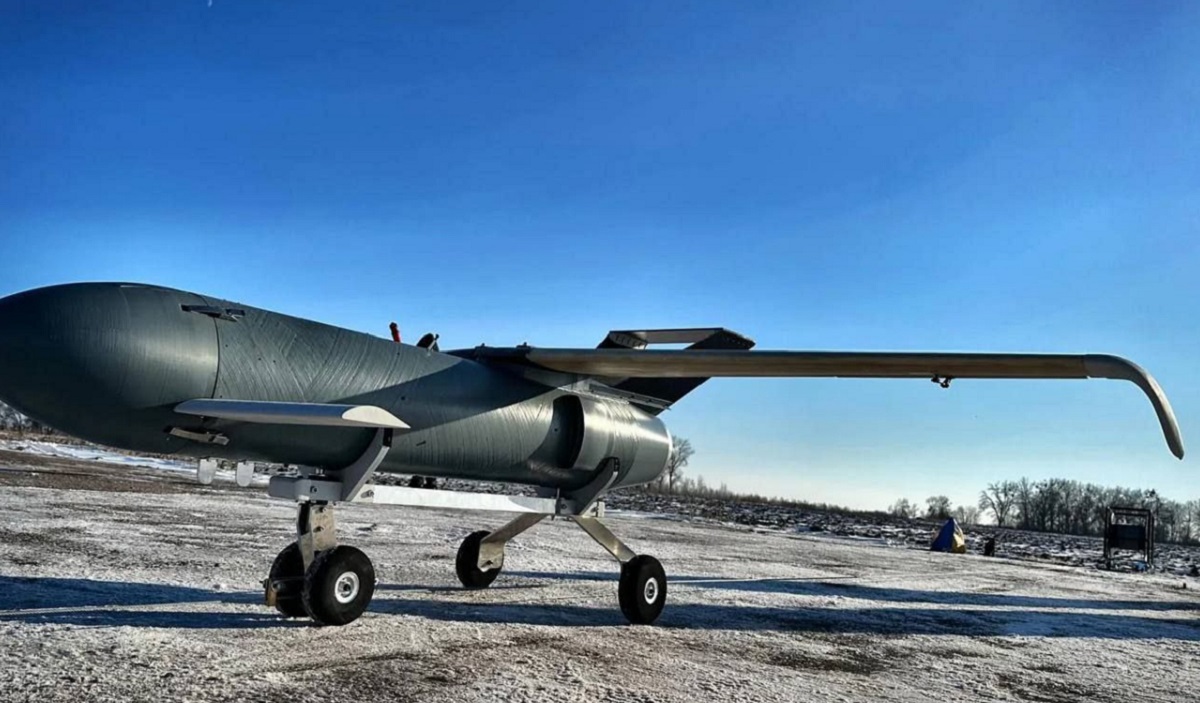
466,564
287,578
643,589
338,586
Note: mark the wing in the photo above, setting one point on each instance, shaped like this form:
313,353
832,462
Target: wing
703,363
274,413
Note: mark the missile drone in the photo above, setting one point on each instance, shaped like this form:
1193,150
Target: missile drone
152,369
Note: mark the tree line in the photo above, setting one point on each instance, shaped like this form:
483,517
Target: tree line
1073,507
1063,506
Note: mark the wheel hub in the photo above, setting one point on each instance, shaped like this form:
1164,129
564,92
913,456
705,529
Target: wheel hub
650,590
345,589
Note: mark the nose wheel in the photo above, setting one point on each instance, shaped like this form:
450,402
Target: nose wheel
285,583
316,577
338,586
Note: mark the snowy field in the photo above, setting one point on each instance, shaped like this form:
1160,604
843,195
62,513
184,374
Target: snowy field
123,582
1070,550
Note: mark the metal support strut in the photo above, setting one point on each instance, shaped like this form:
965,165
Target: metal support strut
343,485
572,505
315,530
605,538
491,549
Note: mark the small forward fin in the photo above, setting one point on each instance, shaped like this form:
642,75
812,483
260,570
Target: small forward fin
277,413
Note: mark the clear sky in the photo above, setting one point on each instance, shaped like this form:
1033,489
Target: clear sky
868,176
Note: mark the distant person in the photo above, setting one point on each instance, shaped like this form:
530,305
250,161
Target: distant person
989,547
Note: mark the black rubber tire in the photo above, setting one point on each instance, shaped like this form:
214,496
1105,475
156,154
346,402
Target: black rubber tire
287,572
642,603
466,564
322,599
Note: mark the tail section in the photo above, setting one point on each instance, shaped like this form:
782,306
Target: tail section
670,390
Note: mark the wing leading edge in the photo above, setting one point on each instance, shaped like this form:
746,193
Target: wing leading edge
639,363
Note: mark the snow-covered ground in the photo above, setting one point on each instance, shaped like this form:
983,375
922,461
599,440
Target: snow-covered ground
123,583
93,453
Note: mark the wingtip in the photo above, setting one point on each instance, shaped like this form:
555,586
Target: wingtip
1115,367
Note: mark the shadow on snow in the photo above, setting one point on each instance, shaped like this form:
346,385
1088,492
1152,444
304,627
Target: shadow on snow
874,621
102,603
824,586
110,603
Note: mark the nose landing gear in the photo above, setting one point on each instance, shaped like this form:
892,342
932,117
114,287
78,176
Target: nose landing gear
317,578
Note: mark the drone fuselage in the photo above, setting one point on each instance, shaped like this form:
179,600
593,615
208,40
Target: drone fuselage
110,362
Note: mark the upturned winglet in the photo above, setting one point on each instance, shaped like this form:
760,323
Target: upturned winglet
1114,367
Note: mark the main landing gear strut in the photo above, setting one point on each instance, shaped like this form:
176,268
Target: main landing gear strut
642,591
333,584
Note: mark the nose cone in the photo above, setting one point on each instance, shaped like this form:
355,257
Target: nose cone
105,361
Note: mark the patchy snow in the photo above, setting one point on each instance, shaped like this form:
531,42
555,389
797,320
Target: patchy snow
148,594
94,453
103,455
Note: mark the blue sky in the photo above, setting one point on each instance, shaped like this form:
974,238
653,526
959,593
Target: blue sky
916,176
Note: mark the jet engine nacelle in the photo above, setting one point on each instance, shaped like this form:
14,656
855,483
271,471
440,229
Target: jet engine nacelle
593,430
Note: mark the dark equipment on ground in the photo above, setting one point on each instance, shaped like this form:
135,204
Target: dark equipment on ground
1130,529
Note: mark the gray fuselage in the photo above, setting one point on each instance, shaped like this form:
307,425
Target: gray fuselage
109,362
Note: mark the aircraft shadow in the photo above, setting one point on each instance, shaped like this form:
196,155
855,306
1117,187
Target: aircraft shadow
88,602
823,586
873,621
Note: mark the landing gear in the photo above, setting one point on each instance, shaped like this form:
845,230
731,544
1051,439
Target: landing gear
287,579
317,578
338,586
466,564
643,590
333,584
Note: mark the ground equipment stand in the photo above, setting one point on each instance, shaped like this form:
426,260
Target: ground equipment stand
1129,528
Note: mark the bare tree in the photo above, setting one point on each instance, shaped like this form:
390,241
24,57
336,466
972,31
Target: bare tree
967,514
1071,507
939,507
903,508
1000,499
681,453
1025,498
